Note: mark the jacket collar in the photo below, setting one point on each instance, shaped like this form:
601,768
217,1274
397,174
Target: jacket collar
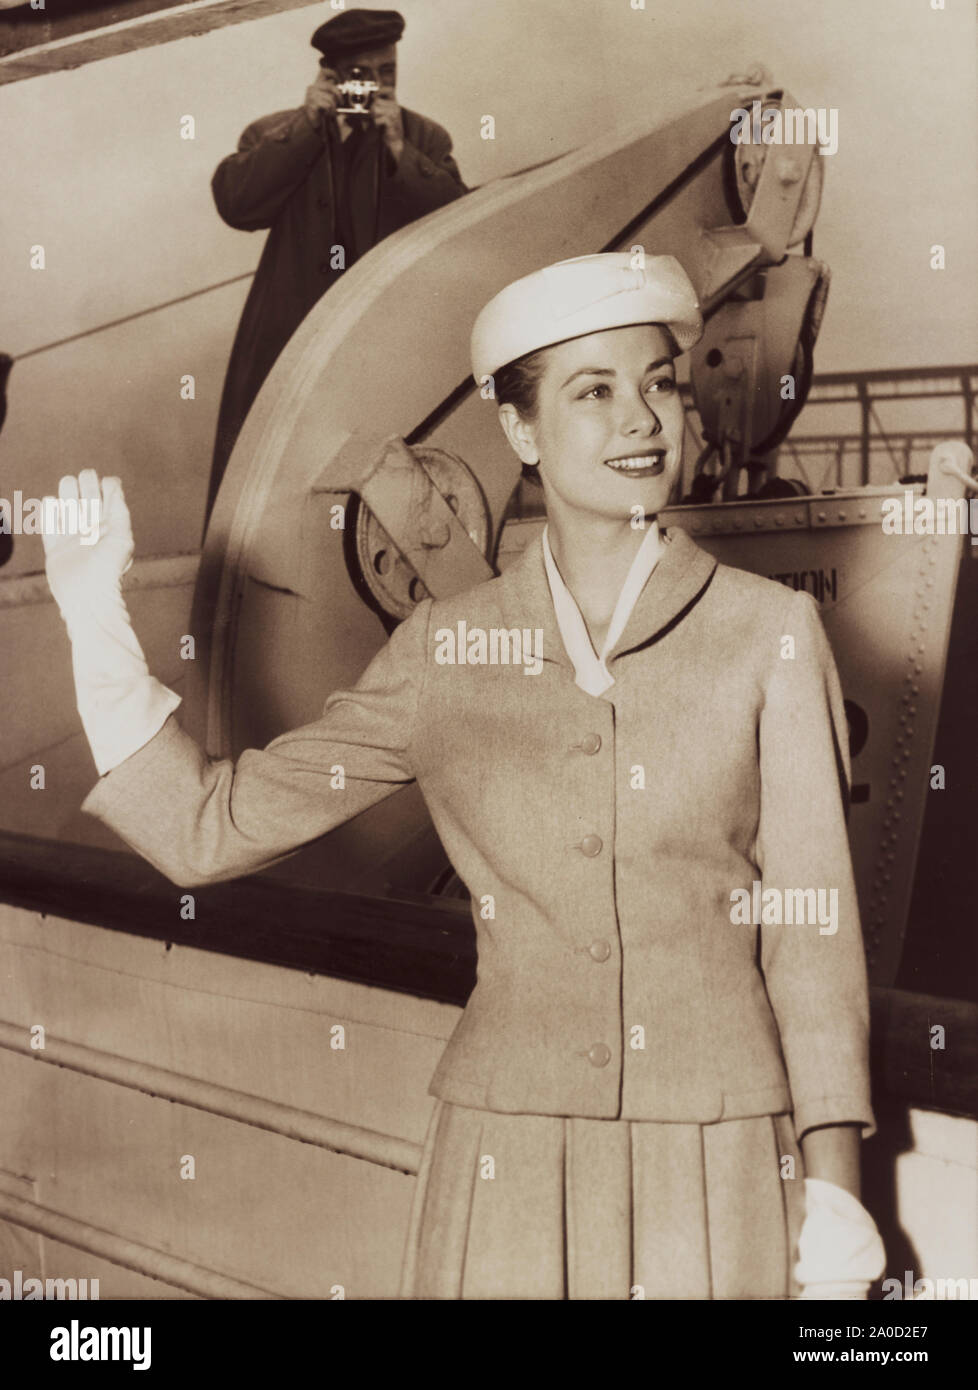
681,575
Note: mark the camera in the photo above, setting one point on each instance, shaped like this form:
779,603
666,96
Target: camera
359,91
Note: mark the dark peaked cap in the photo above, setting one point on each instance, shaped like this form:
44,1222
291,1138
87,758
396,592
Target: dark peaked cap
354,30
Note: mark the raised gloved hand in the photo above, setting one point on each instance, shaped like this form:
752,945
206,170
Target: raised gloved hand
840,1250
121,705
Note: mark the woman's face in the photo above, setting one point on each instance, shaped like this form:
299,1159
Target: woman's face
608,429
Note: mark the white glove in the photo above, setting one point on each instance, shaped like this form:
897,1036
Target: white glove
121,705
840,1250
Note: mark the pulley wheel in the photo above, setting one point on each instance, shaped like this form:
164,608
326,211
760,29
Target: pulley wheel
744,165
392,582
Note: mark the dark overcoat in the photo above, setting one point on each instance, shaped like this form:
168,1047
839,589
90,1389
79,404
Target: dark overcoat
291,177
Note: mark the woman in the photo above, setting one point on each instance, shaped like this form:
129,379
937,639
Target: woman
650,1093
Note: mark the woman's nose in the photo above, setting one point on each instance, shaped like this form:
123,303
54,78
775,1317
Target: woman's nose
641,419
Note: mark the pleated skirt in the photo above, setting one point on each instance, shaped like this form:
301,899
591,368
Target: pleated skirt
545,1207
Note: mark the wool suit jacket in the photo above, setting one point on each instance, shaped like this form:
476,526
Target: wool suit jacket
601,838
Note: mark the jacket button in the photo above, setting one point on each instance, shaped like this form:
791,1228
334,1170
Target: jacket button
590,743
599,1055
591,845
599,950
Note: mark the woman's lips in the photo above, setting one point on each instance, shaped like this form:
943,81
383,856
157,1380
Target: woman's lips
648,465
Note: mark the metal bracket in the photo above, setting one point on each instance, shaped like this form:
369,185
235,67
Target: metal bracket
414,514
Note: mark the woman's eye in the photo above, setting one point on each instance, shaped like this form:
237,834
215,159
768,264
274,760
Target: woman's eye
594,392
666,383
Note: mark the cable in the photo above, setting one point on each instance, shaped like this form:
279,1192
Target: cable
128,318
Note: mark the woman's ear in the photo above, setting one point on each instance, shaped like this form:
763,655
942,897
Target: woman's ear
520,433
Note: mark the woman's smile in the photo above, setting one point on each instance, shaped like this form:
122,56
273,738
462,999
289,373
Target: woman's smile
647,465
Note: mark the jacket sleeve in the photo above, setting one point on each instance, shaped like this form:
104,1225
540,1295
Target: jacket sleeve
816,977
200,820
273,157
426,176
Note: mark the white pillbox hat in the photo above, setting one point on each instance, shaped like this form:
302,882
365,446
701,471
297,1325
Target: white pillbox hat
580,296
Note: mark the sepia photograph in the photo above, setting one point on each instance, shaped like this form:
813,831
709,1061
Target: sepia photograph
489,600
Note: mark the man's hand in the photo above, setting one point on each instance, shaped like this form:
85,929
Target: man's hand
322,95
387,116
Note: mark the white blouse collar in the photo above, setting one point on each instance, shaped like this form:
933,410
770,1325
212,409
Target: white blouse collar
591,673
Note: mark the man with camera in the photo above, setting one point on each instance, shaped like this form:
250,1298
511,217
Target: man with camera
329,180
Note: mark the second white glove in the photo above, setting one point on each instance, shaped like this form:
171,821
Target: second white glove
840,1250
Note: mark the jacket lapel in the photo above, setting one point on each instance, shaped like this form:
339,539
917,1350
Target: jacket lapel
525,601
679,579
681,575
